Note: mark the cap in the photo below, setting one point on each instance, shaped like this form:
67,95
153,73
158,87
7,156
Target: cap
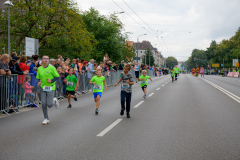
14,58
35,68
85,62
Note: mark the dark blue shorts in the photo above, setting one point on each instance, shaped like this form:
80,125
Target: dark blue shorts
96,94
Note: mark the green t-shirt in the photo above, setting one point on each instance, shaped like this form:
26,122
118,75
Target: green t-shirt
71,83
49,72
176,70
98,87
172,73
144,82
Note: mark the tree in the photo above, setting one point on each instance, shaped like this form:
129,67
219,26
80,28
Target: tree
147,52
171,62
57,24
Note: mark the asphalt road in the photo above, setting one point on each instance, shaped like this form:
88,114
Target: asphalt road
190,119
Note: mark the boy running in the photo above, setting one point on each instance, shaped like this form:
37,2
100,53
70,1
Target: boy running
126,89
98,82
72,85
176,70
172,74
144,82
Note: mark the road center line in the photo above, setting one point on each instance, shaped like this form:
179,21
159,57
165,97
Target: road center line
109,128
138,104
151,94
158,89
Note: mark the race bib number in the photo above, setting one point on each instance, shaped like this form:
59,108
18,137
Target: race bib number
144,82
125,85
70,84
97,87
47,88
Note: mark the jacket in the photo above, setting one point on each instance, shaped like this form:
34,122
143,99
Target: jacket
23,67
17,69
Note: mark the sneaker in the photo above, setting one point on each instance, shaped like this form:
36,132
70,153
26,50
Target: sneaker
75,98
122,112
56,103
96,111
69,106
29,104
45,121
144,96
128,115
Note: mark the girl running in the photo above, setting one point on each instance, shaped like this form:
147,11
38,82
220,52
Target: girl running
144,82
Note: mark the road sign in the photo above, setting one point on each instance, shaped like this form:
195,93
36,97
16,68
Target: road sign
31,46
237,64
215,65
235,61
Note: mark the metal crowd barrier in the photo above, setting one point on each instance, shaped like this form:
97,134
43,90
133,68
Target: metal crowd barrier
12,92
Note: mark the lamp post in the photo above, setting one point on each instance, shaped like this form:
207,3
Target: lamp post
8,3
137,44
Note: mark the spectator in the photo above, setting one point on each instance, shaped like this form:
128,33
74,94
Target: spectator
121,65
66,63
34,63
58,63
114,67
52,62
24,67
4,69
60,57
80,65
106,58
28,91
75,67
13,54
15,68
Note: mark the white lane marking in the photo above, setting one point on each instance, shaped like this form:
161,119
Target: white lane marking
151,94
158,89
163,85
109,128
233,96
138,104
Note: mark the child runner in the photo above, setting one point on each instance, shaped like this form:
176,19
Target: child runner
98,82
172,74
202,71
72,85
126,89
144,82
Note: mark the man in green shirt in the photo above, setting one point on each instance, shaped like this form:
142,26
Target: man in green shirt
72,85
98,82
47,76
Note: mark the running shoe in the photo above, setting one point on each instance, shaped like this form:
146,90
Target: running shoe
34,105
144,96
45,121
96,111
128,115
75,98
56,103
122,112
69,106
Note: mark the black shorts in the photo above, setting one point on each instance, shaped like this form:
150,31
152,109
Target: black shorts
70,92
176,74
145,86
137,74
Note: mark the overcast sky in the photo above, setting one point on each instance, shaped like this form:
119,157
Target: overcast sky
181,25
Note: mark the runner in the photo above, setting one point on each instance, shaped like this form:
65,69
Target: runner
47,75
202,71
98,82
144,82
126,89
72,85
136,68
176,70
172,74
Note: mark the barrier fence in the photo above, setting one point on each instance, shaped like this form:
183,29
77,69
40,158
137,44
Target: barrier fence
14,94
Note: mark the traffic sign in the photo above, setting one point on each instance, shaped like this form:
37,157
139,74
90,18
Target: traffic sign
235,61
237,64
215,65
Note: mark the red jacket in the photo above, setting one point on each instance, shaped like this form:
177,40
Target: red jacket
23,67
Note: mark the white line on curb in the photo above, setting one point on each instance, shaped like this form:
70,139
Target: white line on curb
109,128
158,89
151,94
233,96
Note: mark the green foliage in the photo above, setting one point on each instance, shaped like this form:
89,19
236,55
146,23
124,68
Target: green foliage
147,52
171,62
216,53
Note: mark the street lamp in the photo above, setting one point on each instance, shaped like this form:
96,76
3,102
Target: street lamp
8,3
137,45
